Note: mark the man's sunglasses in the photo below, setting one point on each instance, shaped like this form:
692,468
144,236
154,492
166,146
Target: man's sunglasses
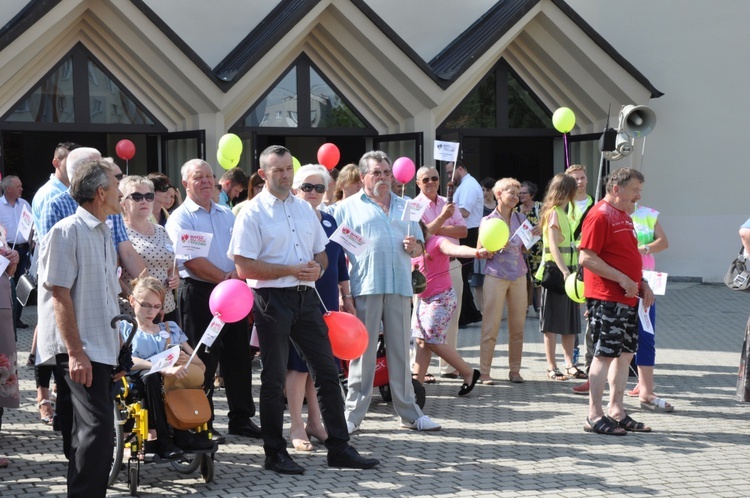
308,187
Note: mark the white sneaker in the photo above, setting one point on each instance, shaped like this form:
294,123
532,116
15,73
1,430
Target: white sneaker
423,423
351,427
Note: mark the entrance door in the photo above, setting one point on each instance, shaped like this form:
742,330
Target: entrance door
409,145
177,148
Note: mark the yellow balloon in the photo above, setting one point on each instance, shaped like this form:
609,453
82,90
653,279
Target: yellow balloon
224,162
564,120
493,234
574,288
230,146
295,163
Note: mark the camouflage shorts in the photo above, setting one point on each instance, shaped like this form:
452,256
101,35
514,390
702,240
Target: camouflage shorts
614,327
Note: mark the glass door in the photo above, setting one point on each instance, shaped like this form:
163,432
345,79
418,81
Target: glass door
409,145
177,148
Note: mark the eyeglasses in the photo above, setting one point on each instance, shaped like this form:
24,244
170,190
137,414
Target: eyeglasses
428,179
138,197
148,306
164,189
119,176
378,173
308,187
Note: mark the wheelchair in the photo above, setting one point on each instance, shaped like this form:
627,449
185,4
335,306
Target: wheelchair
131,429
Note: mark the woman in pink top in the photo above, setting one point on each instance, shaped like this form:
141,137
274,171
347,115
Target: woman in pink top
437,304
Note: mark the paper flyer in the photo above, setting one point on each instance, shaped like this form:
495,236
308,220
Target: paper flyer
162,361
657,281
527,237
415,210
644,318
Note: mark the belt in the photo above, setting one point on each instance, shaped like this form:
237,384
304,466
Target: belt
295,288
19,246
192,281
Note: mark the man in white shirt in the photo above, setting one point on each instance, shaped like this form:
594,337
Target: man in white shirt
11,207
470,201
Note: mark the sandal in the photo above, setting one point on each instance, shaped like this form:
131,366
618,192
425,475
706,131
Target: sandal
631,425
46,413
428,378
657,405
556,374
606,426
577,373
515,377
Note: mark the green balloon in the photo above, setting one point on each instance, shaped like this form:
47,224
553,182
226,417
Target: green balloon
564,120
494,234
295,164
224,162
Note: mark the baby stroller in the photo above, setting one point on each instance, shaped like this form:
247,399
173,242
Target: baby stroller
381,377
131,430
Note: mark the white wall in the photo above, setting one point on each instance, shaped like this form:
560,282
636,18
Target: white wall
696,165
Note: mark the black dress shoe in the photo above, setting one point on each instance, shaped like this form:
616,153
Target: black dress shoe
189,441
217,437
165,449
350,459
248,429
282,463
467,388
21,325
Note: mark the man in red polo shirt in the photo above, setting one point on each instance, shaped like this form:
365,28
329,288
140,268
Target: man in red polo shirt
613,284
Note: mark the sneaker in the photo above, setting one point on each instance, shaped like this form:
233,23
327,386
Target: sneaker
582,388
423,423
351,427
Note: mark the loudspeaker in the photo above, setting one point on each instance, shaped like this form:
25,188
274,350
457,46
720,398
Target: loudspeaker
637,120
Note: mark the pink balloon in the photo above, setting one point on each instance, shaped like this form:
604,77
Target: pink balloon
347,334
403,169
232,300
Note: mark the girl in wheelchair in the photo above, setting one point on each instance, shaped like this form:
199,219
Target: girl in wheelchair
147,300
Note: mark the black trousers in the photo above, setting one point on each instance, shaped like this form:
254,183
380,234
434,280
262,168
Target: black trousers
469,312
89,418
231,348
287,314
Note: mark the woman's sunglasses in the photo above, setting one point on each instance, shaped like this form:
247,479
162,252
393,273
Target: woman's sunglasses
138,197
308,187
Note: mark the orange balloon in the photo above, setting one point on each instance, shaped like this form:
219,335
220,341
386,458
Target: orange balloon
347,334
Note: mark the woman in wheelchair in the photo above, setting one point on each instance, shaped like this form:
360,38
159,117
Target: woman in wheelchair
147,299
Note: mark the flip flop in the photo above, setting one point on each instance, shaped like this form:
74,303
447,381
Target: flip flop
657,405
631,425
428,378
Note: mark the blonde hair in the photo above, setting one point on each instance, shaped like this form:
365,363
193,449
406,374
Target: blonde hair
145,283
129,183
504,184
560,191
349,174
575,167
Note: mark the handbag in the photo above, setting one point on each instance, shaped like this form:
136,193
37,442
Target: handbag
25,288
418,280
552,278
186,408
737,276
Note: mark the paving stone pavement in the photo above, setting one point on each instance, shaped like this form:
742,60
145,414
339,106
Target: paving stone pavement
502,440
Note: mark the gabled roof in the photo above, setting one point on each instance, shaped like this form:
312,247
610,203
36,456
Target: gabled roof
444,68
461,53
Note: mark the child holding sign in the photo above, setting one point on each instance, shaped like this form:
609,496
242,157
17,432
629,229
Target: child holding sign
150,341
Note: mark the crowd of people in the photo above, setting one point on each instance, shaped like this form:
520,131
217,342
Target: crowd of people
91,221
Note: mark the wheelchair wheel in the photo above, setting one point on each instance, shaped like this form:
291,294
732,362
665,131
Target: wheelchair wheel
187,464
207,467
119,449
133,479
385,393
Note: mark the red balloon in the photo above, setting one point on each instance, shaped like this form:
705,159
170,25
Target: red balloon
347,334
125,150
329,155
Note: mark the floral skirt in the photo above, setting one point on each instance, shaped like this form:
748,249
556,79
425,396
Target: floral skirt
430,319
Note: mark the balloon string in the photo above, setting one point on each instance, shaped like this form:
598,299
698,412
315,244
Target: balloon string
321,300
567,158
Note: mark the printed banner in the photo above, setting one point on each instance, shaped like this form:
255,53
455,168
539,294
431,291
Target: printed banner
212,332
415,210
25,223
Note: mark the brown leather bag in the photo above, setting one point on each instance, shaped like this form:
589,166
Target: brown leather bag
186,408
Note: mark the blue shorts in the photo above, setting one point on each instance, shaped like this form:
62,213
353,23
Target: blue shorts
646,355
614,327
